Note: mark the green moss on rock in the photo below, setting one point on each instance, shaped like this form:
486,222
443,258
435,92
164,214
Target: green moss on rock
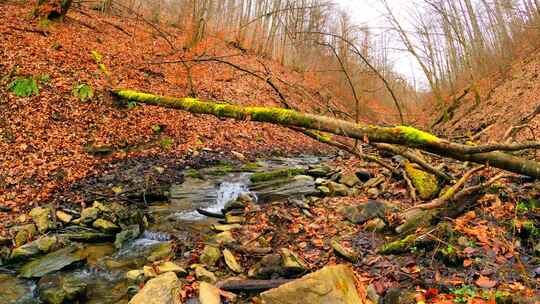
276,174
426,184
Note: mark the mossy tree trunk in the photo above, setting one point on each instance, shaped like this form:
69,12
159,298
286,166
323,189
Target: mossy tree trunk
52,9
401,135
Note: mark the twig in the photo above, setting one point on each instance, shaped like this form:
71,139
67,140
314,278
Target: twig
412,190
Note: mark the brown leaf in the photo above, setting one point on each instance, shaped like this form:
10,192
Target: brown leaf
485,282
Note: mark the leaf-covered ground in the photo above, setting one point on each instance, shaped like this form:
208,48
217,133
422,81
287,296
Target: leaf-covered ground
54,137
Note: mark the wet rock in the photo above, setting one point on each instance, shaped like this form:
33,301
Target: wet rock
224,228
245,198
85,234
210,255
15,290
41,245
372,294
88,215
163,251
135,275
297,186
399,296
128,234
373,193
337,189
325,191
363,175
267,267
149,272
59,290
231,262
24,234
361,213
345,252
375,225
332,284
292,264
234,219
426,184
373,182
233,205
223,238
204,275
51,262
349,180
170,267
105,225
64,217
319,171
42,217
275,175
164,289
209,294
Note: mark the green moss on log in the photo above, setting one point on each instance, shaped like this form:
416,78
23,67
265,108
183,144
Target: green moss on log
415,136
276,174
399,246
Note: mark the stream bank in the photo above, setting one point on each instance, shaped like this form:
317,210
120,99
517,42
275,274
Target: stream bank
273,220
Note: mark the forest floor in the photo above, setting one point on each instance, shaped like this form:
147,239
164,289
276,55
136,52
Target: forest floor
54,146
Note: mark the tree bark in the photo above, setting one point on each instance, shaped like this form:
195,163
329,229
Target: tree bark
401,135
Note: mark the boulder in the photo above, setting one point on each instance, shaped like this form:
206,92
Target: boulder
233,205
164,289
292,264
170,267
24,234
337,189
52,262
16,290
267,267
210,255
64,217
88,215
105,225
373,193
41,245
149,272
42,217
135,275
59,290
163,251
362,213
325,191
130,233
231,262
223,238
349,180
204,275
209,294
319,171
332,284
346,253
426,184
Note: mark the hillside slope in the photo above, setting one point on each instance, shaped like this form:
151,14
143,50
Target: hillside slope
500,102
53,139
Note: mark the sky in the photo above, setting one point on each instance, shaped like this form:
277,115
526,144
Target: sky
370,12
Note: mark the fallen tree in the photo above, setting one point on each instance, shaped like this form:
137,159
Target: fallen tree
400,135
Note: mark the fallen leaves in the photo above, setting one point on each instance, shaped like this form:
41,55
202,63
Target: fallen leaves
485,282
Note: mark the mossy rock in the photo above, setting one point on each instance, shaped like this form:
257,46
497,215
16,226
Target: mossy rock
275,174
426,184
250,167
193,173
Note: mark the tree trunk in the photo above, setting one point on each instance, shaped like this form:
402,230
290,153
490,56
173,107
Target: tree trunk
401,135
52,9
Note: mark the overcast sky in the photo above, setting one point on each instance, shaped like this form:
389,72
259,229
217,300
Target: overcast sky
370,12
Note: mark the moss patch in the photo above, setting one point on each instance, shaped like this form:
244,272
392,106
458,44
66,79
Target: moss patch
426,184
415,136
276,174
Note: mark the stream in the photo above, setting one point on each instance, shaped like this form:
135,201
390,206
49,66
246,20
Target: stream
105,267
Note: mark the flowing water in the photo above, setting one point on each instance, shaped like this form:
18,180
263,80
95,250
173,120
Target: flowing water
177,219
